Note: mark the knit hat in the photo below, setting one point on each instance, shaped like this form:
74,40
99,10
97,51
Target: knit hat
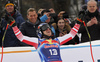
9,3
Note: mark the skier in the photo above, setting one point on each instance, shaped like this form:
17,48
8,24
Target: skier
47,45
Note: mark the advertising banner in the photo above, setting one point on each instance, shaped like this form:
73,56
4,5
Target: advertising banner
69,53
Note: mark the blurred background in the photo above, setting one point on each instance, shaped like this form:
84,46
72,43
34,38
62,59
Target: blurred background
72,7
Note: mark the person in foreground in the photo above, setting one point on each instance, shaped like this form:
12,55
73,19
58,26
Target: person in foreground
47,46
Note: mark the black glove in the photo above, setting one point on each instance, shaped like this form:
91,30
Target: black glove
10,20
82,12
80,17
78,21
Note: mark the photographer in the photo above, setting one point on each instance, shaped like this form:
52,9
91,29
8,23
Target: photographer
49,19
10,39
92,20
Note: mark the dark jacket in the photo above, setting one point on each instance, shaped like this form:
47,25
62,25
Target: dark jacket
10,39
29,29
94,30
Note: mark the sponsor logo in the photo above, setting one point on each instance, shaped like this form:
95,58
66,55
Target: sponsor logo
49,46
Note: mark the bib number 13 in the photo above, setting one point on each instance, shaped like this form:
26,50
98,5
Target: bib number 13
53,51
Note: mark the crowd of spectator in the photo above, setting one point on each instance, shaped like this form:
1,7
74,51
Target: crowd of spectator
60,23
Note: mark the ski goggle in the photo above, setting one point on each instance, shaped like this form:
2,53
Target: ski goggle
45,27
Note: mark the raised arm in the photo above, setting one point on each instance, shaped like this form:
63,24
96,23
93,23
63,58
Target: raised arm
69,36
29,40
73,31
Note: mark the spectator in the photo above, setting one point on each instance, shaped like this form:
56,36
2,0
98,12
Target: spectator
10,39
29,27
53,14
92,20
64,15
50,19
62,29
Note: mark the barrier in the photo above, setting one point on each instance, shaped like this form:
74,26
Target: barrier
69,53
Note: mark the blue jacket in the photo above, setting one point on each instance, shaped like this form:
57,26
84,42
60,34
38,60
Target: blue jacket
10,39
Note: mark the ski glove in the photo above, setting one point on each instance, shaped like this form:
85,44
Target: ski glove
10,20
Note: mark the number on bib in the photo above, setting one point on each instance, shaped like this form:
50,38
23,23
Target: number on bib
53,51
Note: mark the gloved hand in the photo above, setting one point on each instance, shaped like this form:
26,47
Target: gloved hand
10,20
80,18
82,12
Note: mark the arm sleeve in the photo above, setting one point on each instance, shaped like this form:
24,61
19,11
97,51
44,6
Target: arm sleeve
69,36
29,40
43,18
